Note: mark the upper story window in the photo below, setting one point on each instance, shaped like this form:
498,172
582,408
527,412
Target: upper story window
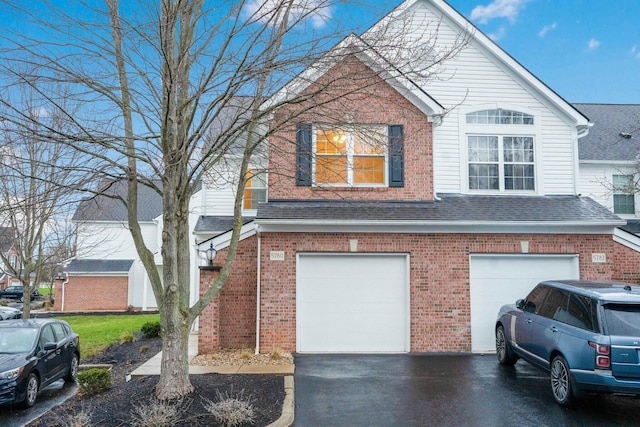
500,147
255,189
623,195
499,117
350,156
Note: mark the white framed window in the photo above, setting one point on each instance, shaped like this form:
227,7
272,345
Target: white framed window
255,189
350,156
500,151
623,195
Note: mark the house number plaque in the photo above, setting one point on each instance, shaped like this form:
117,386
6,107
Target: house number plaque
598,257
276,255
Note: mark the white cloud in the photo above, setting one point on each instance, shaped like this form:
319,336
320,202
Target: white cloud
495,36
543,32
635,51
593,44
498,9
317,11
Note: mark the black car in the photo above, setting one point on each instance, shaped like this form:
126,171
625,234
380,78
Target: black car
33,354
17,292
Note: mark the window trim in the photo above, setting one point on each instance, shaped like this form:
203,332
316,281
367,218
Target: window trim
349,129
615,193
247,188
500,130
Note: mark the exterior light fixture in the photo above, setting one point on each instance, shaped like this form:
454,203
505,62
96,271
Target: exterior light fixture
211,254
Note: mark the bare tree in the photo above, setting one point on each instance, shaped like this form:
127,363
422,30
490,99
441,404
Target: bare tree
35,206
150,79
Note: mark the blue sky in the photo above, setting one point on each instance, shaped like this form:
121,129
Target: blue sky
585,50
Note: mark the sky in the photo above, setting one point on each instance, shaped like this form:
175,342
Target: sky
585,50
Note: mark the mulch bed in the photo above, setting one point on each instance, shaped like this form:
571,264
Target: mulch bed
116,406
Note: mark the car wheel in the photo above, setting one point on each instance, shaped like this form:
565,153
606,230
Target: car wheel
32,390
503,350
561,386
73,369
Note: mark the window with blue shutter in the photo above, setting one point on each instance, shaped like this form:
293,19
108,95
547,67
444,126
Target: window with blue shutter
304,138
396,156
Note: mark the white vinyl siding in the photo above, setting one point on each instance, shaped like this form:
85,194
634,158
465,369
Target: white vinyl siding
475,80
596,181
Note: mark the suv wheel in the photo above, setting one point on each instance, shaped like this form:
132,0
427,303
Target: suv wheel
561,387
503,350
32,390
73,369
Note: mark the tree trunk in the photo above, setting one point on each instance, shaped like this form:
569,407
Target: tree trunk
174,380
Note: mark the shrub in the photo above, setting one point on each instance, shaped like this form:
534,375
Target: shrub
94,381
151,329
126,337
156,414
230,410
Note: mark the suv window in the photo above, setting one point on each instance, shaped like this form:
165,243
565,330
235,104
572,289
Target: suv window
535,298
556,302
47,336
622,319
60,331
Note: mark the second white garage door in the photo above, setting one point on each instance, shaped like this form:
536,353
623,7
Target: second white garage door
497,279
352,303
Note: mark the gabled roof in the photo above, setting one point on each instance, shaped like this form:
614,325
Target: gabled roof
107,208
615,135
87,266
490,47
354,45
451,213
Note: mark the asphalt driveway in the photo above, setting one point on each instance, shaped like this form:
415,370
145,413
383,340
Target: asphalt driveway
439,390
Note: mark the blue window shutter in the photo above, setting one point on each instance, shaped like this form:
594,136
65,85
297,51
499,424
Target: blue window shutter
396,156
303,154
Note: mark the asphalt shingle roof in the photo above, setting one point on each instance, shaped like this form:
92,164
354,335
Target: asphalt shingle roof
449,208
99,266
217,223
604,141
106,208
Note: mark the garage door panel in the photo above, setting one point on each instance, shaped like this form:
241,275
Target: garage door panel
496,280
352,303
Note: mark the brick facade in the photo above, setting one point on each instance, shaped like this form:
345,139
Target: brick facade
352,94
93,293
439,278
230,320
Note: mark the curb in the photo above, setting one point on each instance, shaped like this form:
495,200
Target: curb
288,407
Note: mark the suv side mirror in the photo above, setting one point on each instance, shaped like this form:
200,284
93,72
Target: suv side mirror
48,346
520,304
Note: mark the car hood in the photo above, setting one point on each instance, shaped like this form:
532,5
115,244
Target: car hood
12,361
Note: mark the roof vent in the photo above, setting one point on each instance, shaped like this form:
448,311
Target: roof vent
627,288
626,135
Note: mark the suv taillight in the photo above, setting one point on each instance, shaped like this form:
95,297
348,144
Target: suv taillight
603,361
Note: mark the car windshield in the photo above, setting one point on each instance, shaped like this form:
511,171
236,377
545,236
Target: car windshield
622,319
17,340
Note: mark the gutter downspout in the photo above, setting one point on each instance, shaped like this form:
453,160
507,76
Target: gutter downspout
64,283
257,351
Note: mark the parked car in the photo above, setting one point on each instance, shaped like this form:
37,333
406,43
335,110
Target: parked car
33,354
17,292
7,313
585,333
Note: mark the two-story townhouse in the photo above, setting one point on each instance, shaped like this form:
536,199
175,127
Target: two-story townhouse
7,239
106,273
402,213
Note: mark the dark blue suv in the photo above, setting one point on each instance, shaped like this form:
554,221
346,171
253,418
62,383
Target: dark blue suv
585,333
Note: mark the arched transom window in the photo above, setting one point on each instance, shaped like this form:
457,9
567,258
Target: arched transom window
500,151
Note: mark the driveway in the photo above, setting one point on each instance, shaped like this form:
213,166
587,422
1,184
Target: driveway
53,395
439,390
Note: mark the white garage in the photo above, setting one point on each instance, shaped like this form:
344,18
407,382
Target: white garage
352,303
497,279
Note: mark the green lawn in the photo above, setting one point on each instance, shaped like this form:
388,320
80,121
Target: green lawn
99,332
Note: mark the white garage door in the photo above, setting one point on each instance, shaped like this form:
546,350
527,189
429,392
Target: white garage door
502,279
352,303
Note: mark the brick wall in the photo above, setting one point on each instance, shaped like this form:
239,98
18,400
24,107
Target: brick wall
439,270
93,293
350,93
230,320
626,264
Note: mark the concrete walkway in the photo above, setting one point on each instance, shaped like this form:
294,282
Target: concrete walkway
152,366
